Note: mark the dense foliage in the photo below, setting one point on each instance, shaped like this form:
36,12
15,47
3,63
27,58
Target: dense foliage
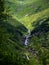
15,20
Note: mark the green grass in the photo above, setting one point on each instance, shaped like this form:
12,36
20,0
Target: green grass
21,15
26,11
28,20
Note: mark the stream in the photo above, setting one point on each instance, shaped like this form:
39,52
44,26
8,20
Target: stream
27,38
27,42
33,51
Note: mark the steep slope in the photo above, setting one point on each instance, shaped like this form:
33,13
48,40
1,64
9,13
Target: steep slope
18,17
11,41
17,30
29,20
39,41
27,11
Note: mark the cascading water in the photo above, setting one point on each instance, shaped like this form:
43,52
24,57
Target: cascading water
27,41
27,57
27,38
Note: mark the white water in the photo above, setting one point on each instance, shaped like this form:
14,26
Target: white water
27,38
27,57
26,42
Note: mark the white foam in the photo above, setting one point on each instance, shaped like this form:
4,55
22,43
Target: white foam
27,38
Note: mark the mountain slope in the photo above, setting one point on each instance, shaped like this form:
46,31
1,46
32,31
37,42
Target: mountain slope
11,41
16,18
26,11
39,42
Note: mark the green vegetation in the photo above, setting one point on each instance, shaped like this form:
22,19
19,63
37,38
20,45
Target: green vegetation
16,18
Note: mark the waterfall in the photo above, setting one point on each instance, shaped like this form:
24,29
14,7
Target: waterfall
27,38
27,41
27,57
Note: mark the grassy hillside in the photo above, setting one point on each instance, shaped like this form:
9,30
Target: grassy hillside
39,42
12,48
16,18
29,20
26,11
